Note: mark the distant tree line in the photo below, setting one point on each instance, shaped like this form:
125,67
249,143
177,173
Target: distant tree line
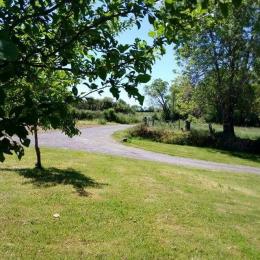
106,110
184,100
95,104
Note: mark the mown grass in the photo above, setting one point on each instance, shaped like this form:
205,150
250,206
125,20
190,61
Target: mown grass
201,153
113,208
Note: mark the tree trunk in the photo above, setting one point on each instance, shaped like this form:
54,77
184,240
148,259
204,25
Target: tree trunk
228,121
37,149
166,113
187,125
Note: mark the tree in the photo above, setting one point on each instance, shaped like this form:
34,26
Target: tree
122,107
158,91
107,103
223,50
44,101
183,99
79,37
246,111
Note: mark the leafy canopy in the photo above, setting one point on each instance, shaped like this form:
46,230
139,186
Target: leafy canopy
79,37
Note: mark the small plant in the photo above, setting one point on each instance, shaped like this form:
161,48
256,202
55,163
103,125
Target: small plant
102,121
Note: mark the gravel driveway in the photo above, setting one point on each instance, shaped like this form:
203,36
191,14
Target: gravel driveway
98,139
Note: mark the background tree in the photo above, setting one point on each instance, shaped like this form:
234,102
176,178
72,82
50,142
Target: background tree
158,91
183,99
222,52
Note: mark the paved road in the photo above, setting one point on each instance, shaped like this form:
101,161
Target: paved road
98,139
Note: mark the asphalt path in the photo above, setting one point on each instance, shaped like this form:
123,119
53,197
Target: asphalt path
99,139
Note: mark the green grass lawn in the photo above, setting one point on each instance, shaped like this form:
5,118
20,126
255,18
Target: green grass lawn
201,153
114,208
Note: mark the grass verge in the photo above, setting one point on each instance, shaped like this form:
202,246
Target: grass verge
91,123
201,153
115,208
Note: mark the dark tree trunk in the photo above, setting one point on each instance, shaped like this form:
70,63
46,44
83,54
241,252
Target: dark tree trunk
166,113
187,125
228,121
37,149
211,130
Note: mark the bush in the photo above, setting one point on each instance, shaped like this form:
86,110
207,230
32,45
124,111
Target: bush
200,138
87,114
126,119
111,116
102,121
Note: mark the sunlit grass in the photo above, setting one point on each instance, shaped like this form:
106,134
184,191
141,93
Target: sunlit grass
201,153
114,208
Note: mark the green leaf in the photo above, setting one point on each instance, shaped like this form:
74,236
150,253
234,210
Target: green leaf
93,86
115,92
8,50
140,99
143,78
138,24
152,34
151,19
74,90
102,73
123,48
120,73
26,142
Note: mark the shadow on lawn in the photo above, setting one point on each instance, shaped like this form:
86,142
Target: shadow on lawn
248,156
49,177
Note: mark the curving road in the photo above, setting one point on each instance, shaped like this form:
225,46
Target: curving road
99,139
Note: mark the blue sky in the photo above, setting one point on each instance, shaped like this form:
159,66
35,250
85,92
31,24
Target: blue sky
163,68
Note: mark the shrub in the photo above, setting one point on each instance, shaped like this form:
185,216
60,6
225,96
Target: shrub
87,114
126,119
102,121
200,138
110,115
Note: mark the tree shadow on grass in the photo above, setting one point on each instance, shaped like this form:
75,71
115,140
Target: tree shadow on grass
247,156
49,177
